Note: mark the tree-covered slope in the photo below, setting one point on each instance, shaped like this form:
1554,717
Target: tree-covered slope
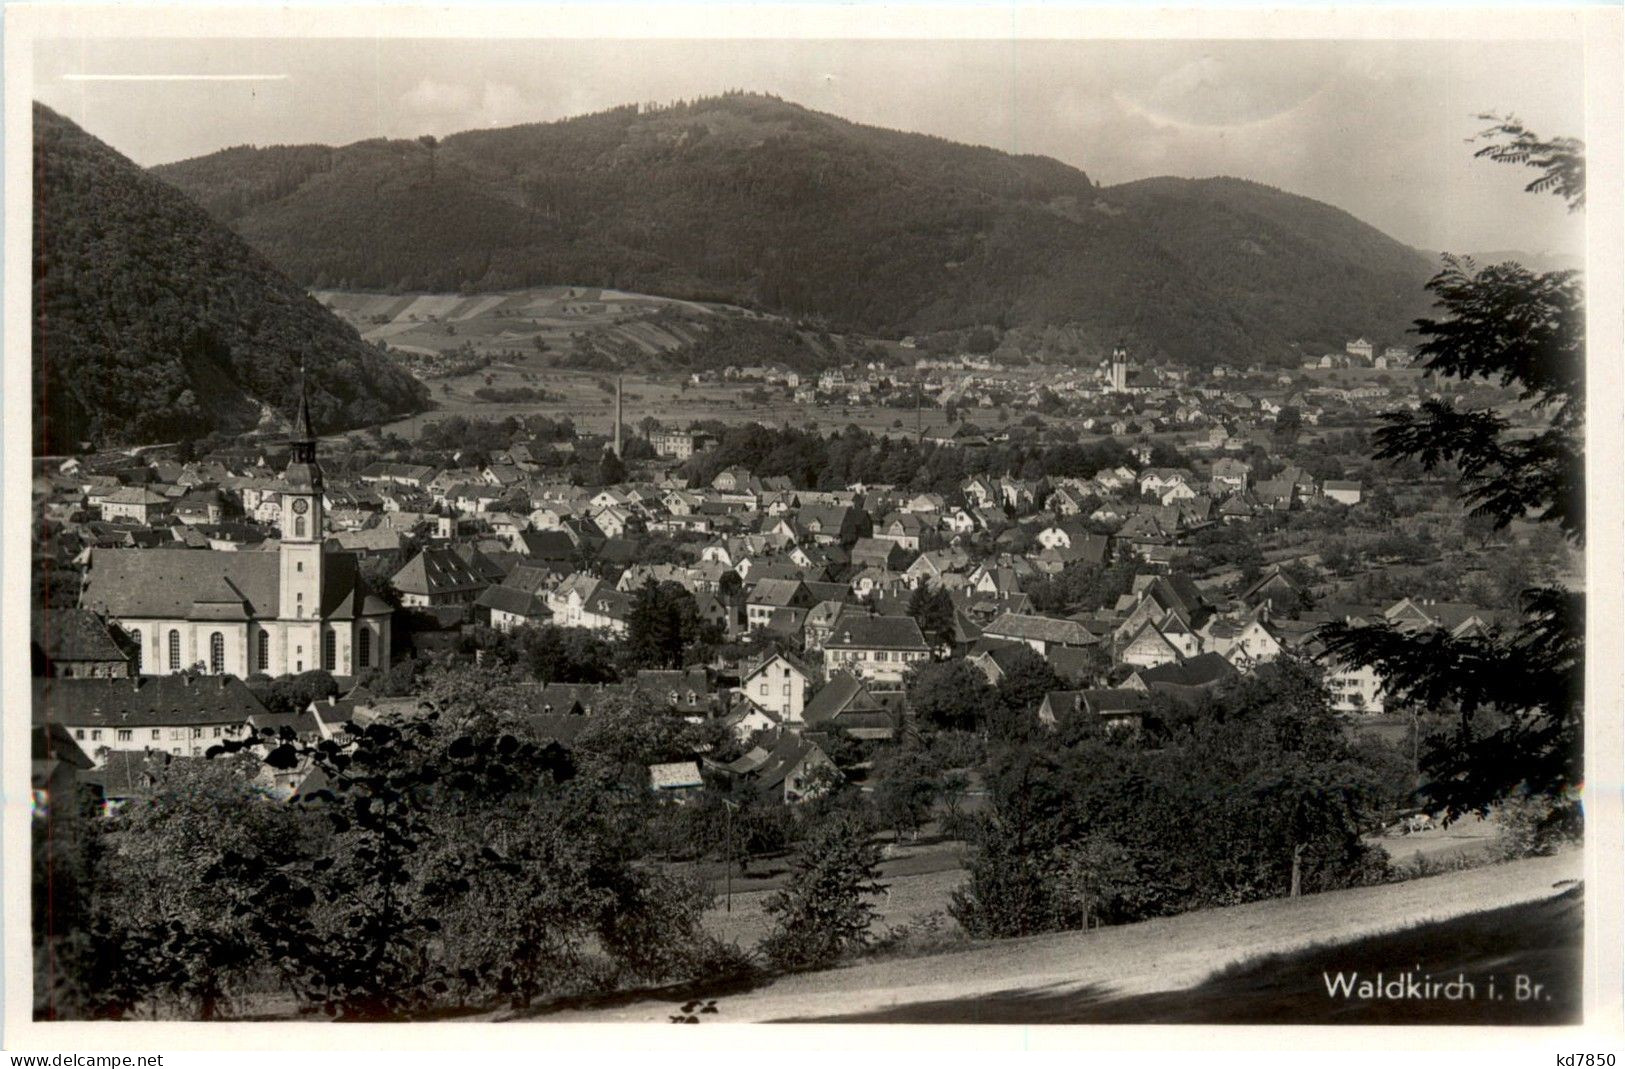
152,321
757,201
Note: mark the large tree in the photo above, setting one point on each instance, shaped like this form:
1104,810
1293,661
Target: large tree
1517,691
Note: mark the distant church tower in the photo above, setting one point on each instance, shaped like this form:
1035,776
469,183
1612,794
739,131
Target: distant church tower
1118,383
302,541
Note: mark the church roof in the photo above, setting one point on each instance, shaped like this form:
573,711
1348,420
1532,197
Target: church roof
213,585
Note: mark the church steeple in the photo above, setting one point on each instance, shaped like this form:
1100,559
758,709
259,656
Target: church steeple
303,470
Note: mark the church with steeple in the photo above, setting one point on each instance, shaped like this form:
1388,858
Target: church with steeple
294,607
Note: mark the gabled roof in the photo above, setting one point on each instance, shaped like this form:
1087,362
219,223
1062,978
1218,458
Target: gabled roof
1204,670
439,570
787,754
514,601
1040,628
853,631
77,635
756,667
144,701
777,592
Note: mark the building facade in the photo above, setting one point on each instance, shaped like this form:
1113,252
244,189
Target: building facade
302,607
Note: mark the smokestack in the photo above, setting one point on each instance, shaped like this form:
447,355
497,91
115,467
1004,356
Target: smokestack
620,382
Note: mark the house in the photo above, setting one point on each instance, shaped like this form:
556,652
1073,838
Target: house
135,504
509,607
875,648
556,544
679,780
1041,633
440,576
78,644
747,718
373,543
847,704
1276,495
1186,680
182,715
1275,591
769,595
909,530
879,553
416,476
1423,614
731,480
1355,689
57,765
1342,491
820,621
587,601
678,445
778,684
794,770
833,524
687,692
1115,708
1230,474
1148,647
1244,643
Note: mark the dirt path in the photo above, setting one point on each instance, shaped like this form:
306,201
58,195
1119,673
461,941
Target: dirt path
1161,955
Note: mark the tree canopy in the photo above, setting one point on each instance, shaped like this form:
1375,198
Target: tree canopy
1517,692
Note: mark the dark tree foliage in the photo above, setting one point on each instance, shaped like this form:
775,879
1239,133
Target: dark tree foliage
1259,794
664,627
750,200
153,322
290,694
1028,677
1517,692
822,913
1560,160
933,609
950,695
854,455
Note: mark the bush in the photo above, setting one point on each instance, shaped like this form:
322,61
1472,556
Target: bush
1536,826
822,914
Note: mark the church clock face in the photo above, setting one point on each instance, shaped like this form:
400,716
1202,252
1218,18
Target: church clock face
300,505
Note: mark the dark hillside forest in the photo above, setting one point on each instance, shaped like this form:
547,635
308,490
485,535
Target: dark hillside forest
152,322
755,201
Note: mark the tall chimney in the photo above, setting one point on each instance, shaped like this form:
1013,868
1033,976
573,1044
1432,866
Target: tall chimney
620,382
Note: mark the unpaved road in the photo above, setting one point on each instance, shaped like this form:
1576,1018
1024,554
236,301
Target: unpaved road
1168,954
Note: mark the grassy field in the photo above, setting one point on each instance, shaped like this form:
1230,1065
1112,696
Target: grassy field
429,323
918,876
1260,961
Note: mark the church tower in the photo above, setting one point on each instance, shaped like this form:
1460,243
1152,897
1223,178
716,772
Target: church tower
302,535
1119,372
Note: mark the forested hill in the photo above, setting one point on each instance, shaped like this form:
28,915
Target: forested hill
153,322
756,201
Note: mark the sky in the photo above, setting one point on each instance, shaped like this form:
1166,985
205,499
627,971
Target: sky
1377,128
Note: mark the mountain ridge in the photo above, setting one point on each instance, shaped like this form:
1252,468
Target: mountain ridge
762,203
153,322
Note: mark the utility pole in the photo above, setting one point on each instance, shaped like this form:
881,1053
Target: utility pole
728,850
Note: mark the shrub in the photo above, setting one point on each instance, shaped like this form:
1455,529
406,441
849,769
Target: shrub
822,913
1535,826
